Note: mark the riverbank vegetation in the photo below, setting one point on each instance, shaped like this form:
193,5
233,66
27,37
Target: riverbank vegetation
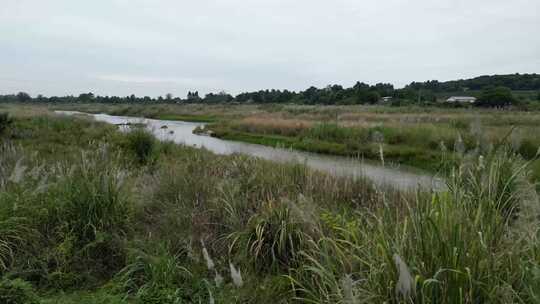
416,137
92,215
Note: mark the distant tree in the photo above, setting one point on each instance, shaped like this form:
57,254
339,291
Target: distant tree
86,97
372,97
496,97
193,96
217,98
23,97
169,96
538,97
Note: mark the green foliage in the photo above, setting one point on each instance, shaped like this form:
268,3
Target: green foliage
5,122
156,276
496,97
88,213
455,243
79,220
86,297
142,144
14,233
17,292
329,132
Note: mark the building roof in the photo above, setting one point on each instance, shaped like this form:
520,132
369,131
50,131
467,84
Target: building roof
462,98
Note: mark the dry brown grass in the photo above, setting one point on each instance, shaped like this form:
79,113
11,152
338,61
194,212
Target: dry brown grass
274,125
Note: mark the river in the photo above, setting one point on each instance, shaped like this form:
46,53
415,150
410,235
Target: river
181,132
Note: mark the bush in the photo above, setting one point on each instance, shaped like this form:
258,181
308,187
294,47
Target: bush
5,122
17,292
142,144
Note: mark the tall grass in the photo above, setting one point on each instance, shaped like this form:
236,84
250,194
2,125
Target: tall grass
65,219
273,239
81,220
458,244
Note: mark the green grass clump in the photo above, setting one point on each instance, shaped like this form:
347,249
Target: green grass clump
14,233
157,276
273,239
5,122
17,292
62,223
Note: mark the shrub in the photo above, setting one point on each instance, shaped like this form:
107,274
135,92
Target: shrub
142,144
5,122
17,292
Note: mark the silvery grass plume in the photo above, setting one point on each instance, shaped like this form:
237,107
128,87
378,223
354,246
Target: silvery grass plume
305,210
347,285
18,172
209,263
210,295
405,286
459,146
190,253
218,279
236,276
442,146
381,154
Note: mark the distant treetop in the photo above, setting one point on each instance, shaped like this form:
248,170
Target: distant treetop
496,90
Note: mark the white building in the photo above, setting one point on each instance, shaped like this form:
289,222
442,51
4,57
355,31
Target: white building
461,99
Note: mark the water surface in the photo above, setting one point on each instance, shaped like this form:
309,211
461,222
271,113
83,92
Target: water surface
181,132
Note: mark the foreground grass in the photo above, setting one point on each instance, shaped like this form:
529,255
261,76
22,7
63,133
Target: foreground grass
89,215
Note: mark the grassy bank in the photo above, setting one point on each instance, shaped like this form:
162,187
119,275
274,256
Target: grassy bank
90,215
427,147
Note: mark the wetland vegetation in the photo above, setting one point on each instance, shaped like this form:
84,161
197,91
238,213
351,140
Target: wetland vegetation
89,214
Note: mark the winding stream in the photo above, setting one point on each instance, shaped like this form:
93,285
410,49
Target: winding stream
181,132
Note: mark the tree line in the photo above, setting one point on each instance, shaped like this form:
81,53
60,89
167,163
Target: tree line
493,91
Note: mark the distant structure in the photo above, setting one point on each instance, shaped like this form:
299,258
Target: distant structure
461,99
386,98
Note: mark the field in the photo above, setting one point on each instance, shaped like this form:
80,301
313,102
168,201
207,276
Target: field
92,215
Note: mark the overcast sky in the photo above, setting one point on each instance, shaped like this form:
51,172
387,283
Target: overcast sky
153,47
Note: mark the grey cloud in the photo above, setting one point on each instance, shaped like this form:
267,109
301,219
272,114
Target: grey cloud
153,47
